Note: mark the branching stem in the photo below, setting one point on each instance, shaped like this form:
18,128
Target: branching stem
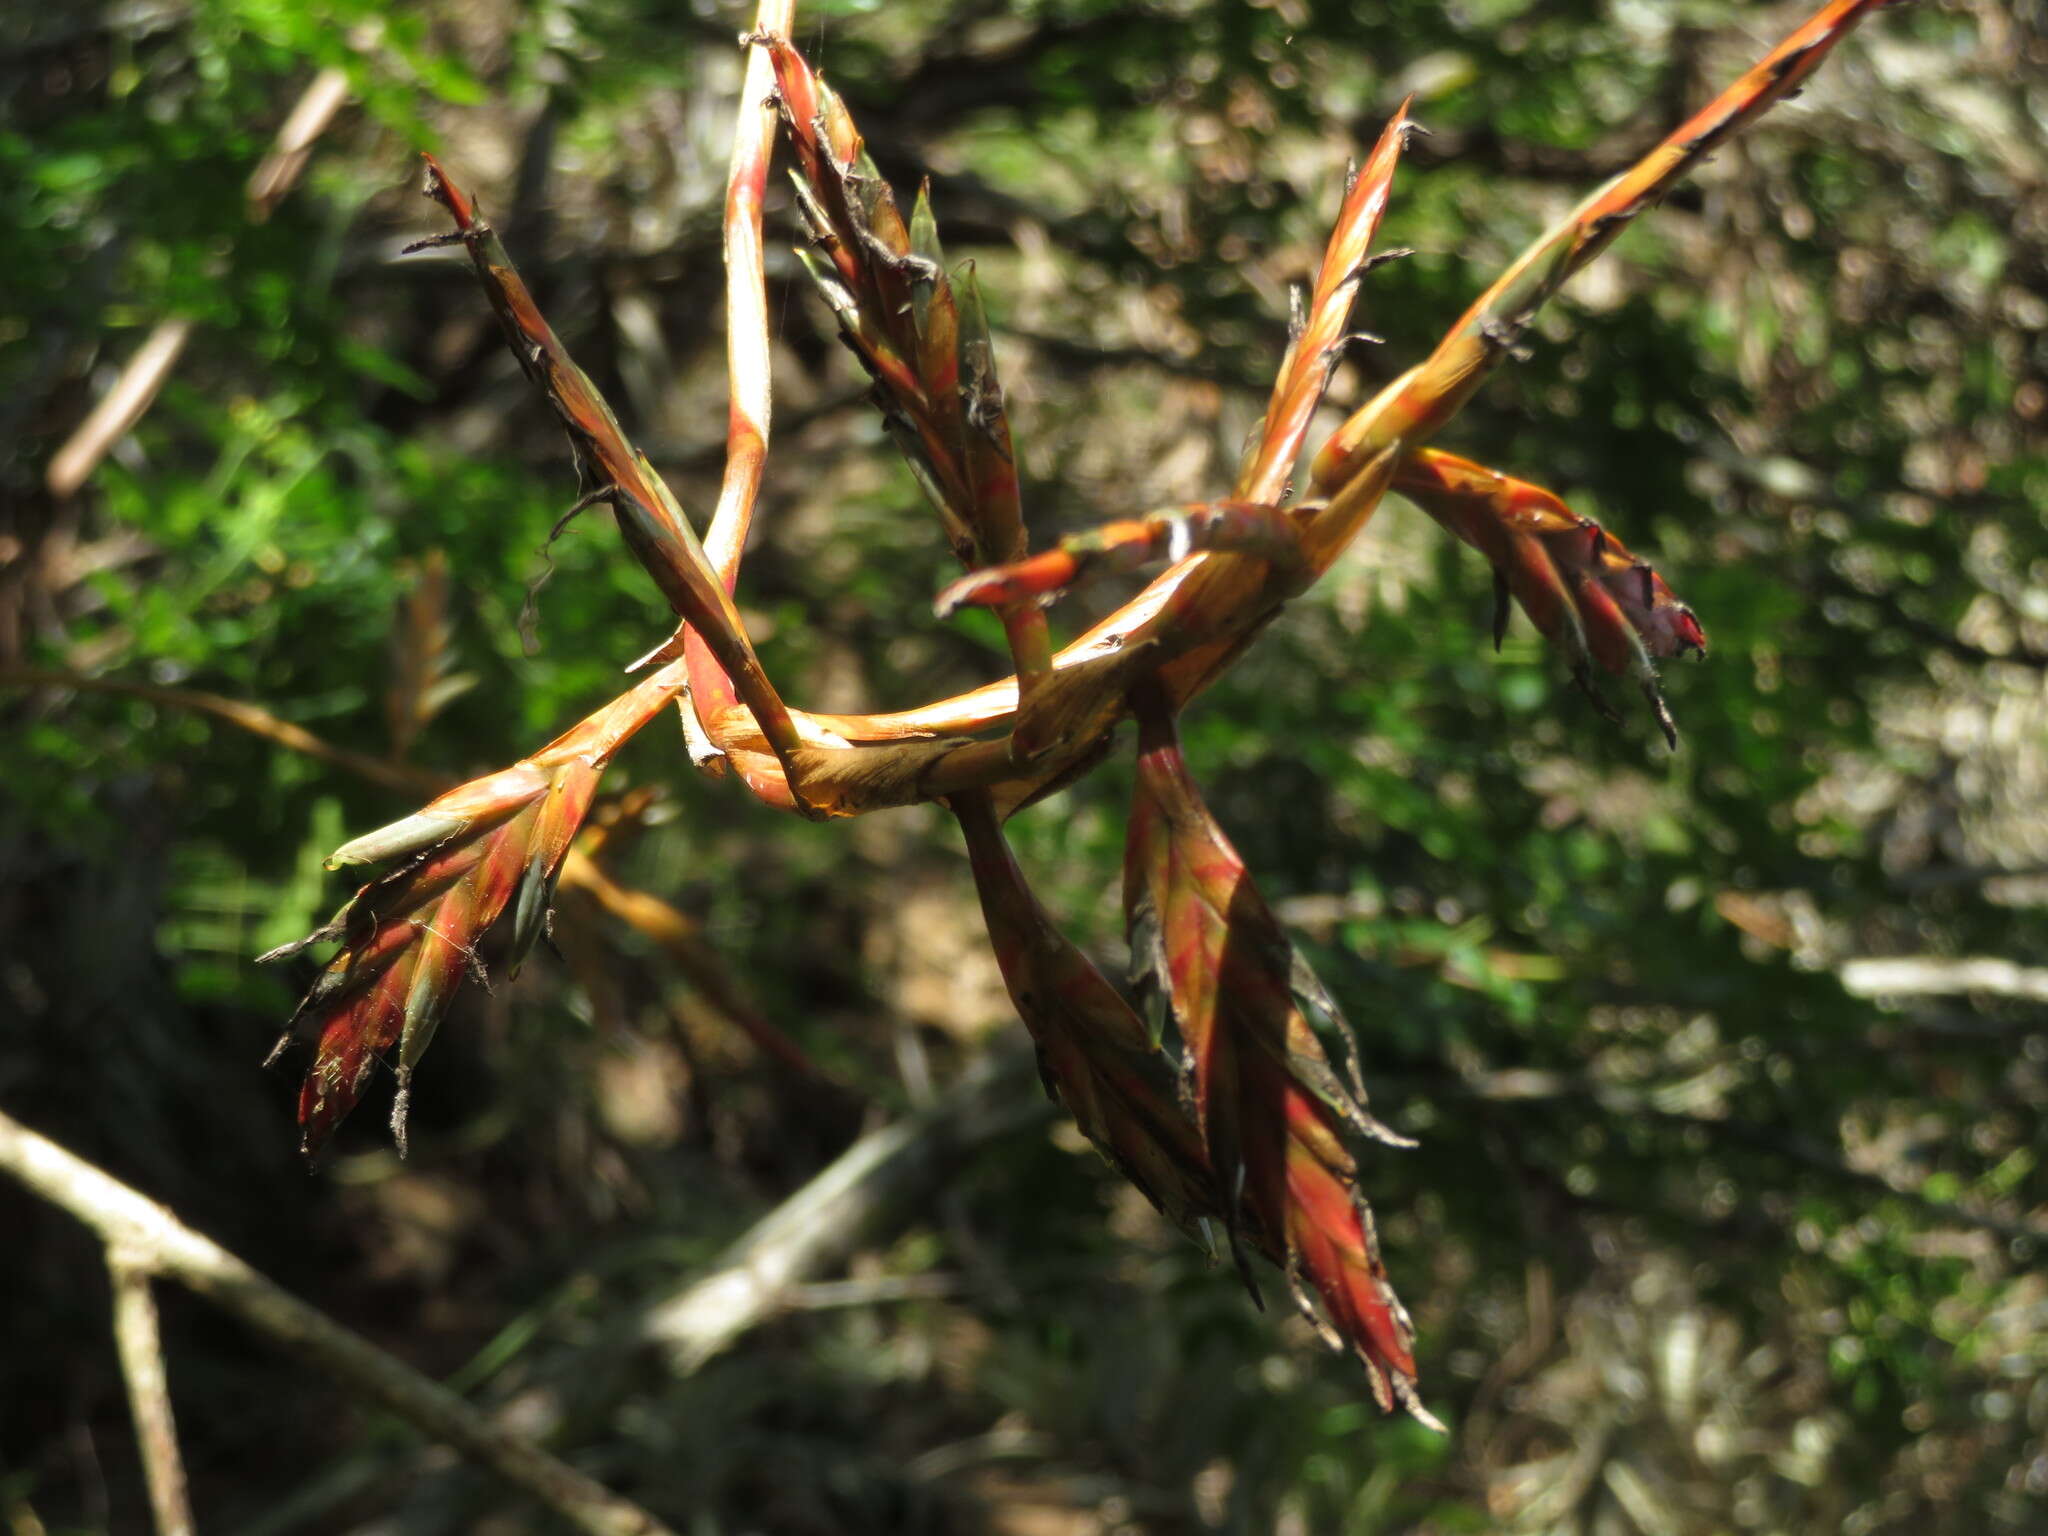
140,1344
146,1242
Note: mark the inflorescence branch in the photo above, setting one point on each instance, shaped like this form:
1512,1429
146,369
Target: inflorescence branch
1241,1120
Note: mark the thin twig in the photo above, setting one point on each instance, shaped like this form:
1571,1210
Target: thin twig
679,937
149,1393
825,1295
286,161
151,1242
885,1172
136,389
1941,976
119,408
253,718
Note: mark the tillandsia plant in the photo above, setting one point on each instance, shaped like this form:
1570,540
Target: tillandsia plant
1246,1119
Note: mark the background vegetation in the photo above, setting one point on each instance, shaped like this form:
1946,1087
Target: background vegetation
1714,1226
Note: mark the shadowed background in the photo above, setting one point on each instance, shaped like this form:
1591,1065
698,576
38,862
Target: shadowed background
1727,1213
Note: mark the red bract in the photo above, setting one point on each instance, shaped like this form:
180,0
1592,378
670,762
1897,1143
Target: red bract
410,939
1093,1050
922,336
1272,1109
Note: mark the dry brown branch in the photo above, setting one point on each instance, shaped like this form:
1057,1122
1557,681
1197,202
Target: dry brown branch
864,1198
1940,976
678,937
145,1241
136,389
140,1344
280,169
119,408
882,1175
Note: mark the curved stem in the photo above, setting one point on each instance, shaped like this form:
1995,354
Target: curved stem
147,1241
748,363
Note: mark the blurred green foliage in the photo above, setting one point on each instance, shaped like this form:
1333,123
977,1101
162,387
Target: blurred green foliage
1701,1237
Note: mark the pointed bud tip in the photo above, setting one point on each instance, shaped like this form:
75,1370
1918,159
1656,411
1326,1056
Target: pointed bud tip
1421,1415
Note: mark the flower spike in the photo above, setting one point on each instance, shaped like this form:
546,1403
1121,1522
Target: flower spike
1272,1110
1576,581
922,335
1264,1133
410,938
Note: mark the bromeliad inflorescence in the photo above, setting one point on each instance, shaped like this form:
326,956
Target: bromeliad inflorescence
1243,1123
